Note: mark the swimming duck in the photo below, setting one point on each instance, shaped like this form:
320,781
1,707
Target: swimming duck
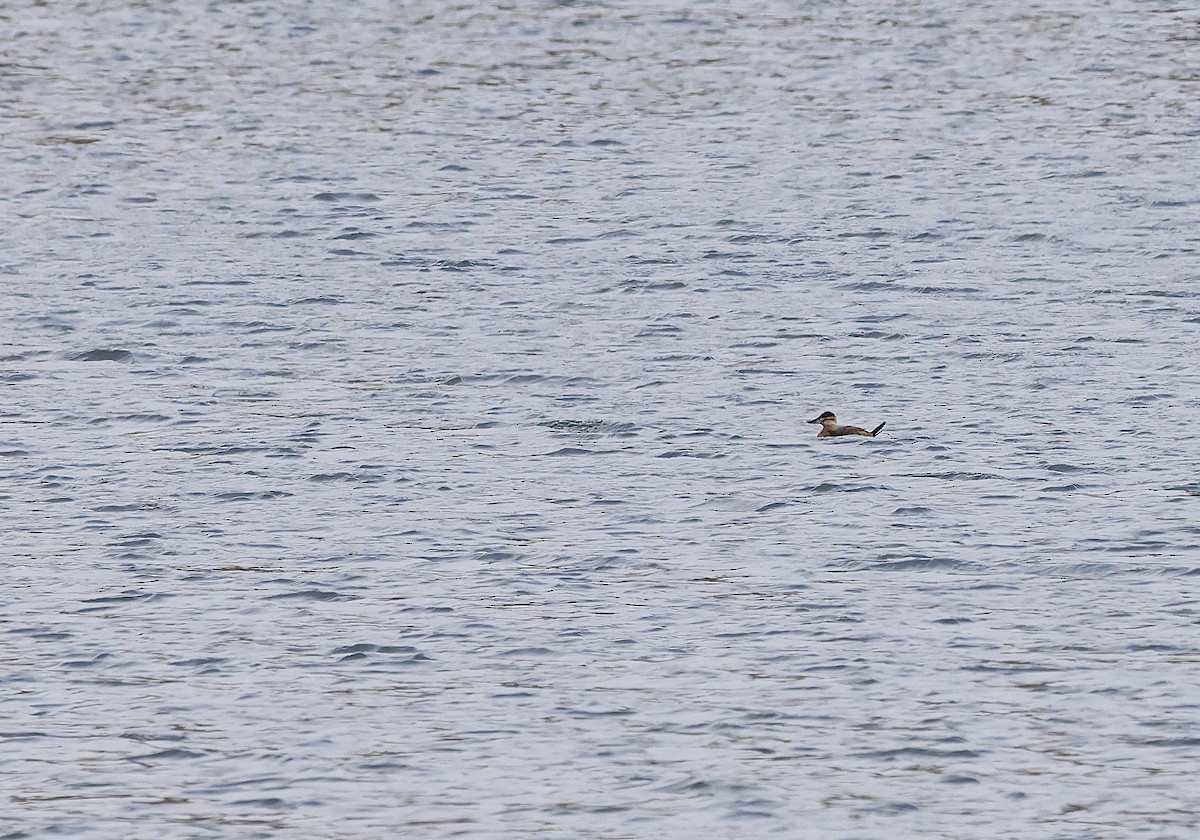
830,427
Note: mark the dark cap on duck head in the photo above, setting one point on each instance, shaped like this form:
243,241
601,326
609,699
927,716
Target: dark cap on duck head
825,415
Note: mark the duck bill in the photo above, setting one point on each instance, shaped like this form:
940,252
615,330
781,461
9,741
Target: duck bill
815,420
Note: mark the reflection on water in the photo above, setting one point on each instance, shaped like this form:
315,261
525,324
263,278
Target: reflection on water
402,420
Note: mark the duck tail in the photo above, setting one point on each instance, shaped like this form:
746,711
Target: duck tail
878,428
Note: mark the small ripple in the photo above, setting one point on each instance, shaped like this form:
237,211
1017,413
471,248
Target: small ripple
103,355
908,564
959,476
1170,743
833,487
573,451
345,196
921,752
313,595
165,755
591,428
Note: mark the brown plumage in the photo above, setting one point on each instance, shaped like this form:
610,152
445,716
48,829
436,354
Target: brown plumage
830,427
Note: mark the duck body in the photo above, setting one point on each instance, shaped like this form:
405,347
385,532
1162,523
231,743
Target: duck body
830,427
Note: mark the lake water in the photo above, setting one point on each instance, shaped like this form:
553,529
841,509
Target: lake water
402,419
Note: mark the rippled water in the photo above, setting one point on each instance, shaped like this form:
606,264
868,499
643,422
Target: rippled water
401,419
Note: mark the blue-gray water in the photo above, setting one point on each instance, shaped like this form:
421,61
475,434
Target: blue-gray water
401,419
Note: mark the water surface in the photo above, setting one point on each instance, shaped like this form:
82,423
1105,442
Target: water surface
401,420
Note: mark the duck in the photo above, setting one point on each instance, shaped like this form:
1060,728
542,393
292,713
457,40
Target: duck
830,427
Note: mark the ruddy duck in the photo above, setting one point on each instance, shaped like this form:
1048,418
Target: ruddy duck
830,427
